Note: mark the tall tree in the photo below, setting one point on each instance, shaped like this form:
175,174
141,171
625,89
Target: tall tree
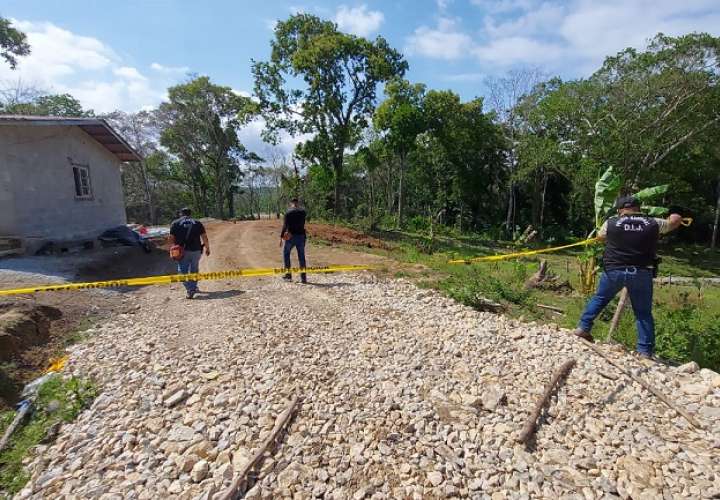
13,43
142,130
504,95
201,121
322,82
400,117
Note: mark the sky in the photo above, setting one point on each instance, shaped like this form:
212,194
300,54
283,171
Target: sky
124,55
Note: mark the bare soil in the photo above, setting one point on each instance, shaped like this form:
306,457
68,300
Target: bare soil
346,236
257,244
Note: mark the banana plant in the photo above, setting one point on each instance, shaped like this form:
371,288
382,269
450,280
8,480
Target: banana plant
607,189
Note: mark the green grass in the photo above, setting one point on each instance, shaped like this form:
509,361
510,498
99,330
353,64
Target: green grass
687,317
70,396
79,333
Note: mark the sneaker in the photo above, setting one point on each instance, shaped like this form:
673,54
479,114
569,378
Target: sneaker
190,295
646,356
579,332
287,277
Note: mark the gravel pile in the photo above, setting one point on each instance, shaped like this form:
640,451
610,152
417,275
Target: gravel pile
405,394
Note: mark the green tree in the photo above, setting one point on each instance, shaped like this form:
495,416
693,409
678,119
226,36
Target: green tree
200,127
13,43
400,118
322,82
142,180
49,105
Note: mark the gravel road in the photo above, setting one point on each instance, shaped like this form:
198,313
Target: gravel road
404,394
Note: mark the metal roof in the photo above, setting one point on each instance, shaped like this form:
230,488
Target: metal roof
96,128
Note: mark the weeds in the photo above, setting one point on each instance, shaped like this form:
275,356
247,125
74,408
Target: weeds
59,400
478,284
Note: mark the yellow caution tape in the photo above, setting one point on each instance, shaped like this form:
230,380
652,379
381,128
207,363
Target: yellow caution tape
177,278
506,256
57,364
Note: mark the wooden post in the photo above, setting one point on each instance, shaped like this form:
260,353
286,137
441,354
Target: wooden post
618,314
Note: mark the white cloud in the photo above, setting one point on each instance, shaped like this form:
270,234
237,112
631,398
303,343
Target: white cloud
359,20
465,77
169,69
128,73
443,4
65,62
571,36
443,42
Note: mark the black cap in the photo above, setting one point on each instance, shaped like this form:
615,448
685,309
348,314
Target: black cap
627,202
185,211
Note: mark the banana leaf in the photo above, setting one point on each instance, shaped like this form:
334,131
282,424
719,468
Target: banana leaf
607,189
654,211
648,194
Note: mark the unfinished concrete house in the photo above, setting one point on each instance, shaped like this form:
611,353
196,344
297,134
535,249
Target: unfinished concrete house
59,179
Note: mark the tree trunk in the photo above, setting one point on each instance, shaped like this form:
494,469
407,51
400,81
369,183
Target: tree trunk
231,204
338,168
542,205
398,222
713,242
510,209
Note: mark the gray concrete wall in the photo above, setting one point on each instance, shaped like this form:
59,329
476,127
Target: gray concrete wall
37,190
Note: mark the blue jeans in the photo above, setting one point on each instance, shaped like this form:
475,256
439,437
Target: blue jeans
296,241
190,263
639,283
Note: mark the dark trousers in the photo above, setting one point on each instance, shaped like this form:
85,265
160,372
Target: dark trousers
296,241
639,283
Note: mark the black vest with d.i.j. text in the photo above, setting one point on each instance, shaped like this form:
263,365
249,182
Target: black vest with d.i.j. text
631,241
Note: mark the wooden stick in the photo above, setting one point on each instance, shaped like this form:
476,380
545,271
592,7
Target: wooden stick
240,482
618,314
531,422
662,397
550,308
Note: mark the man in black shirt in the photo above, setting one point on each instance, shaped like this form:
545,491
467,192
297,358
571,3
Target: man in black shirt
629,260
190,234
293,234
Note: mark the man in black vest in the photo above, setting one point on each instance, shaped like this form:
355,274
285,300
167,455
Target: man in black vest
293,234
629,261
191,234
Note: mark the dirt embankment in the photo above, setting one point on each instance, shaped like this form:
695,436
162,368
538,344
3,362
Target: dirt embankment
346,236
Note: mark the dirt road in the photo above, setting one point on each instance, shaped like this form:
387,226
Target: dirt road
405,394
256,244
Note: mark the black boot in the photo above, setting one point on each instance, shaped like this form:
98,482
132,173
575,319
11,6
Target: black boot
303,278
